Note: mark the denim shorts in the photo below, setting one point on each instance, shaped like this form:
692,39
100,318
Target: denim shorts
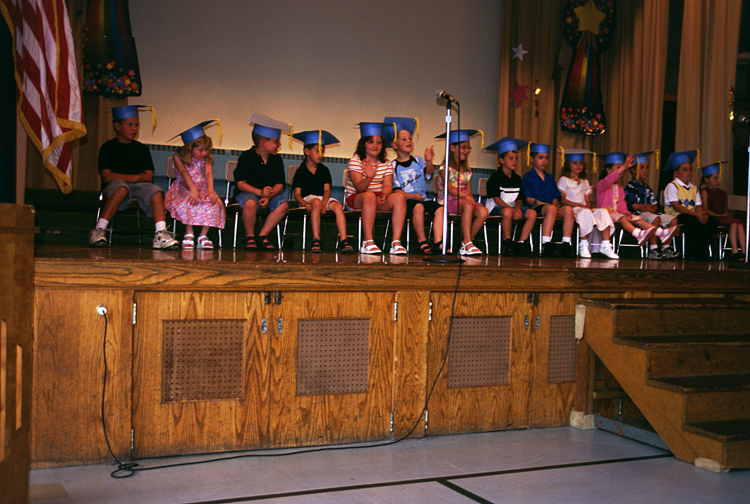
142,192
273,204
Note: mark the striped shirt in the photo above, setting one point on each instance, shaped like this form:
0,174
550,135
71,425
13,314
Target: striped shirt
376,183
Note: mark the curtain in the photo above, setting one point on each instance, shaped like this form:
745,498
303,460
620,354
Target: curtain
633,80
708,61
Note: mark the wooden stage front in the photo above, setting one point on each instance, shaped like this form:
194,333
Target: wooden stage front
223,350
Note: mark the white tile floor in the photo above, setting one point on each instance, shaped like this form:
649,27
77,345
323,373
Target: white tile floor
541,466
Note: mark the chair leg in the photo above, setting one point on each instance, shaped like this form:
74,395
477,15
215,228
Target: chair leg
304,232
387,228
283,235
486,243
499,239
236,221
138,220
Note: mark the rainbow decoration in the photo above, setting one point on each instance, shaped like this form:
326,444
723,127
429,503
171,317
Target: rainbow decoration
110,61
588,27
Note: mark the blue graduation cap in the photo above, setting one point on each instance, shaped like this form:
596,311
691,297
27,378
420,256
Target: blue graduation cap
197,131
410,124
463,135
320,137
615,158
267,127
711,169
539,148
368,129
506,144
642,157
677,158
128,111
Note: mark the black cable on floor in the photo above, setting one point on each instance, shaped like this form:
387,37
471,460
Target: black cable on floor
125,470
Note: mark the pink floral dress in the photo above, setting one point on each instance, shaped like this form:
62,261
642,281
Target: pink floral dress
201,214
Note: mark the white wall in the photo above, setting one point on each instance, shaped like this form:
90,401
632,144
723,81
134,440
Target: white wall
318,64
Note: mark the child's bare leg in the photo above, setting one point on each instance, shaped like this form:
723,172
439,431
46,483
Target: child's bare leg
437,226
507,222
338,211
569,220
480,215
396,203
315,206
733,237
741,237
550,214
274,218
417,220
204,230
466,214
605,233
528,225
189,229
367,202
113,203
157,207
249,212
626,225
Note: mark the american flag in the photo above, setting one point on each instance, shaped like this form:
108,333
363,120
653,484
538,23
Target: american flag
49,96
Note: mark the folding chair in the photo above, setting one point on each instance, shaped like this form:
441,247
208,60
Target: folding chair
292,211
134,205
492,218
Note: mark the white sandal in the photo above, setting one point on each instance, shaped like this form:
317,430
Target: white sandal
369,249
397,248
187,241
205,243
469,249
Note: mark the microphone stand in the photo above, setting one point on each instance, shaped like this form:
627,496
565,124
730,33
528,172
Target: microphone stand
445,257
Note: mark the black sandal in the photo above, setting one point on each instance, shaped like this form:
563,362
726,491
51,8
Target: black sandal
264,243
250,243
345,247
424,247
315,248
437,248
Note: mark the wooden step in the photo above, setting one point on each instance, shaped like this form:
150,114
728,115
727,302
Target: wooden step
726,430
700,383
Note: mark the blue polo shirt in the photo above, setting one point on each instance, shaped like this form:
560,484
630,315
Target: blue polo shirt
543,190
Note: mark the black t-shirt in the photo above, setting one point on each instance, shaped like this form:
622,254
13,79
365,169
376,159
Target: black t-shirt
312,183
125,158
252,169
508,189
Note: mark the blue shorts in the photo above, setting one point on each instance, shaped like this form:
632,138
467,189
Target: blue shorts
142,192
273,204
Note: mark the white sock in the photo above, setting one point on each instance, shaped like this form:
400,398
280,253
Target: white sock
160,226
653,247
584,243
546,239
102,224
566,239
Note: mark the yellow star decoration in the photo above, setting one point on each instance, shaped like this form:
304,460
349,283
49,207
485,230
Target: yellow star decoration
589,17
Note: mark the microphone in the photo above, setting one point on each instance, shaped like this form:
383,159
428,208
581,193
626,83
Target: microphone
442,94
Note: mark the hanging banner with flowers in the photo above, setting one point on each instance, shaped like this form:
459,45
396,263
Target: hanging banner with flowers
587,26
110,61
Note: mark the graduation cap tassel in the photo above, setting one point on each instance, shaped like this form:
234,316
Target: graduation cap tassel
320,142
291,132
562,156
416,129
658,166
593,169
153,119
482,133
221,132
698,157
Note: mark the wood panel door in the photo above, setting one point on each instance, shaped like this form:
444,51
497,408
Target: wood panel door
198,386
553,359
318,395
485,383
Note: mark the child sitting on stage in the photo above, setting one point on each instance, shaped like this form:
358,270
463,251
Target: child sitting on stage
716,206
683,201
410,174
611,195
576,193
261,181
642,202
505,197
312,187
370,188
543,196
460,198
126,167
192,199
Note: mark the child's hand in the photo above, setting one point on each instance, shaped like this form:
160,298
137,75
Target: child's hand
629,162
417,197
381,198
517,214
263,202
702,216
266,192
369,169
213,197
194,196
429,153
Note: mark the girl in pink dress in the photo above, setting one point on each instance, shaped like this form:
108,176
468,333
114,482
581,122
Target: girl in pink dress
191,199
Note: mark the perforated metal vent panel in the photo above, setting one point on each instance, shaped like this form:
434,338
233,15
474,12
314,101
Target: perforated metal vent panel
203,360
562,349
479,352
333,356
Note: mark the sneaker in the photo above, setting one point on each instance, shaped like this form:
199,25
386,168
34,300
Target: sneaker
655,254
606,249
98,238
508,247
165,240
550,249
583,250
567,250
669,253
643,235
523,249
665,235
